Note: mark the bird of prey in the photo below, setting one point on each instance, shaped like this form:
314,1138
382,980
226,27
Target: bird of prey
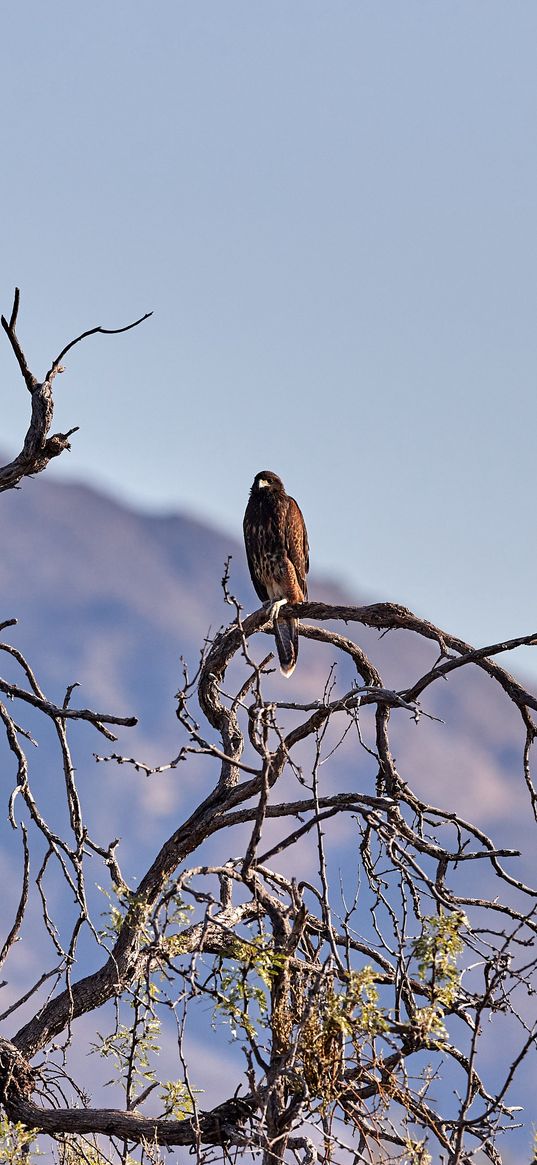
277,550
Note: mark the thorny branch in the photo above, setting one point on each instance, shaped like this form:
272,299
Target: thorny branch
39,448
354,943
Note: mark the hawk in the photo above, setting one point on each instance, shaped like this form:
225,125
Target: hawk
277,550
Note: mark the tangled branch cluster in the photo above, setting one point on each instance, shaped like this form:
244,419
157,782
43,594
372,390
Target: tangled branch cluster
349,1001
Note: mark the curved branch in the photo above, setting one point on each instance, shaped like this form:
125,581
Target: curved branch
384,617
93,332
219,1126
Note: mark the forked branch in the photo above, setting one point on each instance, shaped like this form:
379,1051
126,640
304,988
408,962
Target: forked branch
39,448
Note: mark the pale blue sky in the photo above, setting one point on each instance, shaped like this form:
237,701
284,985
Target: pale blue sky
331,207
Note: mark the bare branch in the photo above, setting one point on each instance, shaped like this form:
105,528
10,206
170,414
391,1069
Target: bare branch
39,448
93,332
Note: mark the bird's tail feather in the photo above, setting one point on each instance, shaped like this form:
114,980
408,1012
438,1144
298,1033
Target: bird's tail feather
286,636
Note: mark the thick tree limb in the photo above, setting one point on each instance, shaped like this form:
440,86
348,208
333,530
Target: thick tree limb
221,1126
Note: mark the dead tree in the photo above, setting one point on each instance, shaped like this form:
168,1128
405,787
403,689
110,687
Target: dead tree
347,996
39,448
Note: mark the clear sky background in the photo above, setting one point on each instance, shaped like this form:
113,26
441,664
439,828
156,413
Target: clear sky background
331,207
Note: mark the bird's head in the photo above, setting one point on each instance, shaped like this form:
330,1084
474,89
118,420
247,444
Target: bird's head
266,479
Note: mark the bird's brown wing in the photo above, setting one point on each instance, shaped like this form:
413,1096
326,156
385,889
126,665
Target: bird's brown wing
251,540
296,537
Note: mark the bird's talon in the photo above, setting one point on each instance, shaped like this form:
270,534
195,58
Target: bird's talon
273,608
